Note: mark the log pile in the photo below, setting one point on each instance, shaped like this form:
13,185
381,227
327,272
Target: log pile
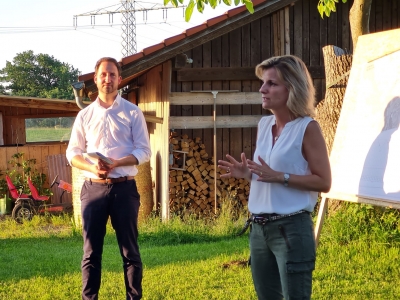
191,186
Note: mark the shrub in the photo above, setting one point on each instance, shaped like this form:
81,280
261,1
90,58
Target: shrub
363,222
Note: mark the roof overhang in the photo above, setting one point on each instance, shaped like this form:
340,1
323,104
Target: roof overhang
135,65
42,103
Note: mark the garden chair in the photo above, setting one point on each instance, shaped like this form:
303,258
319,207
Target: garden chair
15,194
26,208
35,193
65,186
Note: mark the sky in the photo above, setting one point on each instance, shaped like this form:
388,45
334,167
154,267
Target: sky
47,26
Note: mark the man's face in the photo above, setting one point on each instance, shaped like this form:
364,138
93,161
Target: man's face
107,78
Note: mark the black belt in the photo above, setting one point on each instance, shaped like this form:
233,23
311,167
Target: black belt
262,219
110,180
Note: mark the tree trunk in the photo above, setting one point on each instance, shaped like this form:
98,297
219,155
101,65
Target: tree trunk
359,19
337,68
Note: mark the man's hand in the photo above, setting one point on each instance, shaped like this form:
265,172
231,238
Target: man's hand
99,169
103,168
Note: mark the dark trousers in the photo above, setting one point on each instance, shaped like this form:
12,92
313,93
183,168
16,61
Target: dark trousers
120,202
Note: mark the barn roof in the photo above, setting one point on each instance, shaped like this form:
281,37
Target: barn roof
137,64
42,103
61,107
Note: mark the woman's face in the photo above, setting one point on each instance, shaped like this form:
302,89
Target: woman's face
273,90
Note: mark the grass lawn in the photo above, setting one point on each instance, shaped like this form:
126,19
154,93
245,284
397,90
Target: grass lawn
186,260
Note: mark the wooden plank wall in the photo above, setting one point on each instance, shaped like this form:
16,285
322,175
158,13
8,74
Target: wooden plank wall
251,44
153,96
58,165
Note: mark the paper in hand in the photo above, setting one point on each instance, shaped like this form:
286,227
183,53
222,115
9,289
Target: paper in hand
98,155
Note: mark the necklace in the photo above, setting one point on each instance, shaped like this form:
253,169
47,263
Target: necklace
276,138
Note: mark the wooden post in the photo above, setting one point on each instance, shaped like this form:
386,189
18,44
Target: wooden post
215,137
320,219
215,149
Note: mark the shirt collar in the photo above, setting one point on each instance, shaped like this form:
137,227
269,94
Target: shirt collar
117,101
291,123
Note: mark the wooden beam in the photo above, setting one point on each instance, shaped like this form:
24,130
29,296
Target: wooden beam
42,103
67,108
153,119
35,116
275,29
206,35
203,74
208,98
199,122
240,73
148,118
287,31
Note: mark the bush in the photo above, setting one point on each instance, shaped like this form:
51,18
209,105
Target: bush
363,222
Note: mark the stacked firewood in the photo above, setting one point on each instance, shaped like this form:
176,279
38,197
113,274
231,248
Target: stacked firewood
192,177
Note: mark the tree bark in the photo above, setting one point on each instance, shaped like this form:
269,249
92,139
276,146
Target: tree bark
359,19
337,68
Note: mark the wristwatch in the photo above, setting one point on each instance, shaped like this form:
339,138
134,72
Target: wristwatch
286,177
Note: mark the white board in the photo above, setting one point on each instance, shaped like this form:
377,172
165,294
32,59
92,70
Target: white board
365,157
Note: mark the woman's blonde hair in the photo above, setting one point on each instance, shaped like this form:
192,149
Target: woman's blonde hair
297,79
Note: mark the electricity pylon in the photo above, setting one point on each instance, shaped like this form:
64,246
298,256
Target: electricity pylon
128,9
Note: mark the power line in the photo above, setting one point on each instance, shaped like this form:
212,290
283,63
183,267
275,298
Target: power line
128,10
33,29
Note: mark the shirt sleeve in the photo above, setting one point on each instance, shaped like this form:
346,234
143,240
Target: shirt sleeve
140,136
77,144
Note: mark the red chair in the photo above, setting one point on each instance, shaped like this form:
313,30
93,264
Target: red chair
13,190
65,186
35,193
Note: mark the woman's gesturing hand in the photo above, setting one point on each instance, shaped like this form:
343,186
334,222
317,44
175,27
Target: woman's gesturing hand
235,168
263,171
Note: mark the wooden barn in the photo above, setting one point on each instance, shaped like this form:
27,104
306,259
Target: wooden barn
200,96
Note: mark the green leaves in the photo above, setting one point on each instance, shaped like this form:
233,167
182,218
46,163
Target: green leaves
189,11
327,6
201,4
38,75
2,90
213,3
249,5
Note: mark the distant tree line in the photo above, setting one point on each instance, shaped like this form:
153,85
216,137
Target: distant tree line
38,75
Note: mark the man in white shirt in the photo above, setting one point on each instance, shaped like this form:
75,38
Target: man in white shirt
117,129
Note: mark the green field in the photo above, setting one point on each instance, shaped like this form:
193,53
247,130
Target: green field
357,258
47,134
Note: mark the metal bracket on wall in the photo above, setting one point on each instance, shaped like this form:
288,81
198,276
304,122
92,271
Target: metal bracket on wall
173,160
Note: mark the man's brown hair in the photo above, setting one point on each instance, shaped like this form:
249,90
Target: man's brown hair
108,59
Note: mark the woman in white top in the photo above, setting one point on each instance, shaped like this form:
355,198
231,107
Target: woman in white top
289,168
